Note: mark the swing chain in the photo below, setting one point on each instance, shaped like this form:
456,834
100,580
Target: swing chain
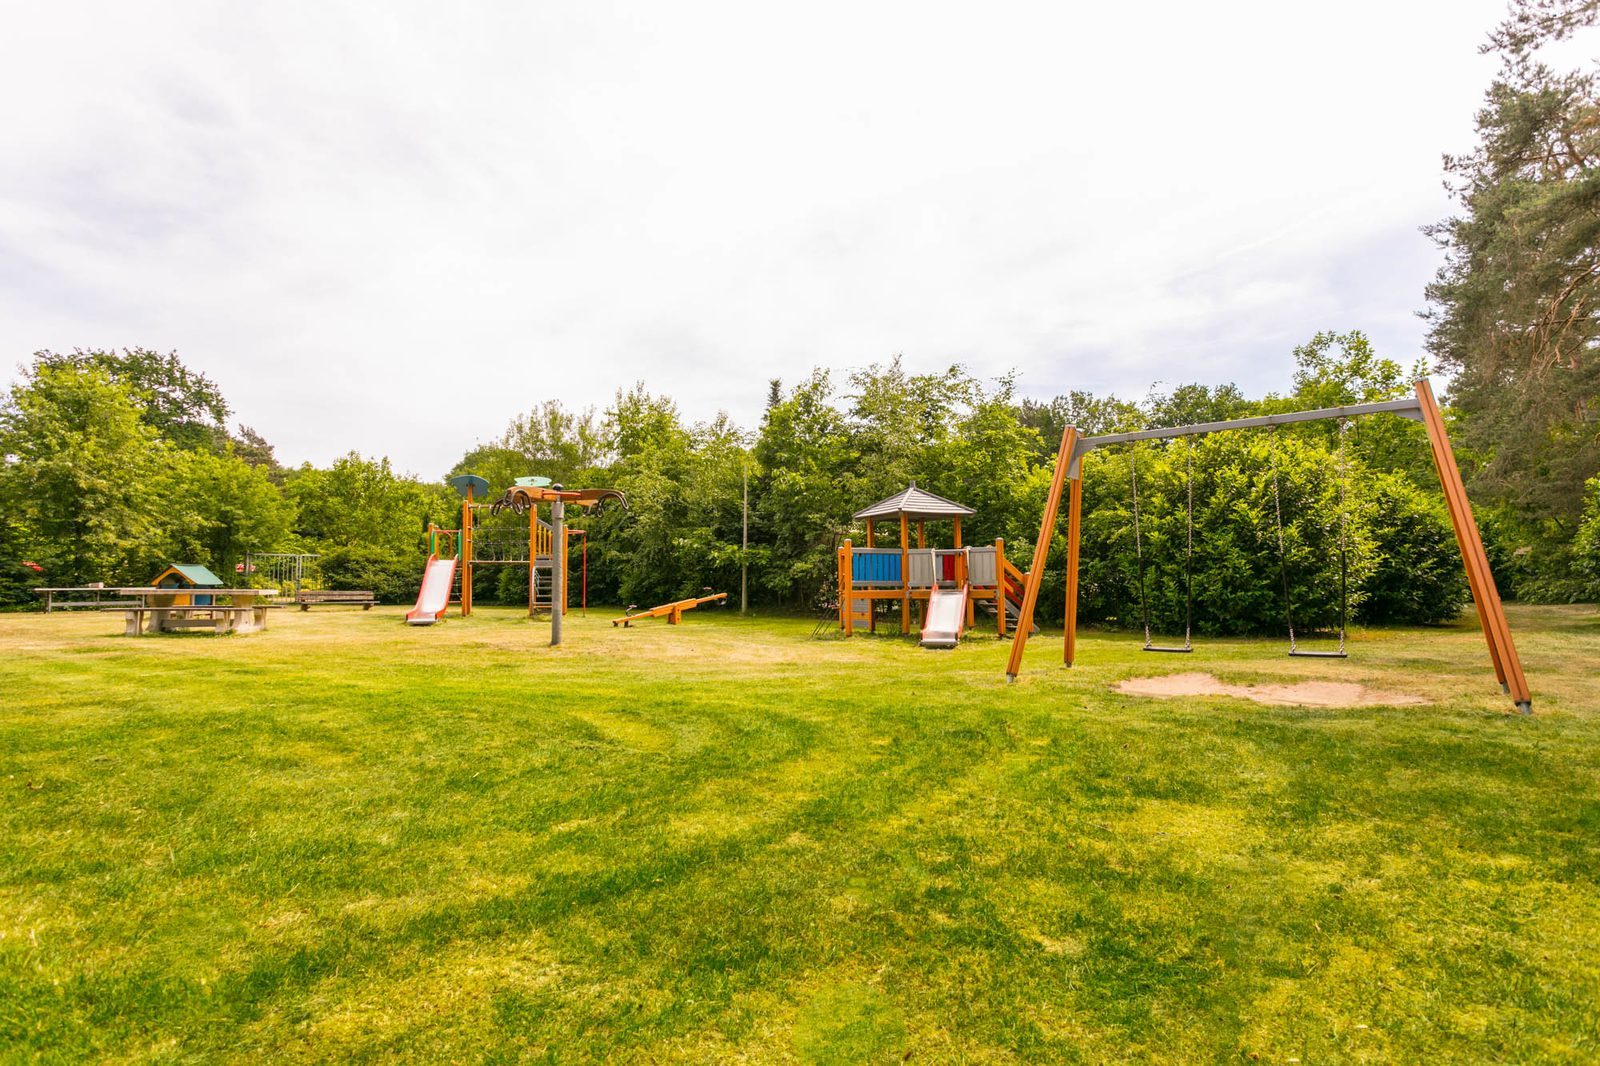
1344,563
1188,553
1138,542
1277,511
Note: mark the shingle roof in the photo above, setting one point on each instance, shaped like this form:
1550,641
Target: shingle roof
915,504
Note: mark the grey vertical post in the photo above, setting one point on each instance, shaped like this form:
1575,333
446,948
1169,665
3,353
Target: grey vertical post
744,548
558,553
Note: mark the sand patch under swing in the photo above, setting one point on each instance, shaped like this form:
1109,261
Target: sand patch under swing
1304,693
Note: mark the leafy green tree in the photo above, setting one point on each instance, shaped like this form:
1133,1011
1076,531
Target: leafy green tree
1093,415
680,532
987,465
82,474
182,405
369,523
1417,576
1586,545
1341,369
548,441
1516,308
901,423
1193,404
806,489
253,448
222,507
20,574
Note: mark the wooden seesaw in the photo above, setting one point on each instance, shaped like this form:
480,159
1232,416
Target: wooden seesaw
672,611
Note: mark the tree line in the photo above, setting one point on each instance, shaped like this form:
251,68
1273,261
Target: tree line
116,463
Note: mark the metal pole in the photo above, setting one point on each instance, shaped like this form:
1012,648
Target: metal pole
744,548
558,543
466,553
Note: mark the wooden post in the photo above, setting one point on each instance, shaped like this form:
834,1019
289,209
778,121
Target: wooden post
846,589
1069,651
466,553
1485,594
922,534
869,532
958,531
905,575
558,567
1000,584
964,580
1041,550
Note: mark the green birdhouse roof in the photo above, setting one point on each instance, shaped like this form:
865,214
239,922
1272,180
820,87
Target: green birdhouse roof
192,574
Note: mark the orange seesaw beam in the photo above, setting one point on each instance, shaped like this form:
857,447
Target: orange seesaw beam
672,611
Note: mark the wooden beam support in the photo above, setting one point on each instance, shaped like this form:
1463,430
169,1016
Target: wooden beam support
1485,594
1041,551
1000,585
466,553
905,575
846,589
1069,650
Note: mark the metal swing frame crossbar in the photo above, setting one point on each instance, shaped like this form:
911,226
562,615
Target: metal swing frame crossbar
1067,480
1410,407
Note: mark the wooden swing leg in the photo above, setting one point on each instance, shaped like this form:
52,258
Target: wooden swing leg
1041,551
1069,646
1485,596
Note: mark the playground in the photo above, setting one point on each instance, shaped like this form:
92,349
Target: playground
351,838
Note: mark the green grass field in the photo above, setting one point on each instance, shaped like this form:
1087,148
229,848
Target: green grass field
344,839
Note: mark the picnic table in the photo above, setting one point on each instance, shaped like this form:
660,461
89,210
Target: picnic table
159,610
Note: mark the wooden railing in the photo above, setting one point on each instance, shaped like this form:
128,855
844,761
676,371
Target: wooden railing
1015,583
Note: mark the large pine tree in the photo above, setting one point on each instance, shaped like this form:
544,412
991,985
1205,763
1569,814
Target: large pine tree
1516,309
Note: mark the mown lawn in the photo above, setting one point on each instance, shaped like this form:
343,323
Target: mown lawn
344,839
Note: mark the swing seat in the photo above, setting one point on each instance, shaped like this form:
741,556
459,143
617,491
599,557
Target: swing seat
1163,647
1319,655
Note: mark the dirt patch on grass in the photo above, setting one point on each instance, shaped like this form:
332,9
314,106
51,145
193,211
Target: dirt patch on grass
1304,693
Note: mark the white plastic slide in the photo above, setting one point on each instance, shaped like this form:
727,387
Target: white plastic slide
434,596
947,616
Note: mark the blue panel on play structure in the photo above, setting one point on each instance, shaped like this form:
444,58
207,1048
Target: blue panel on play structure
865,568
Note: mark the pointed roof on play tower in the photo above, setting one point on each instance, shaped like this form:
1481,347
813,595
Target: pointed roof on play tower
916,504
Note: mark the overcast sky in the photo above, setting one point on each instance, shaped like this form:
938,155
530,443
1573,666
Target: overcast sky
390,227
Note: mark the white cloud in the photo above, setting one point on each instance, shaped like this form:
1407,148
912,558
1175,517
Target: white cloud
390,227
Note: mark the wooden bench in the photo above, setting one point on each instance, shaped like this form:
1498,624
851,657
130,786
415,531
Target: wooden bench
349,597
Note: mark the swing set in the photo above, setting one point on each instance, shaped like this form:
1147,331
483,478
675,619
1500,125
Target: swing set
1421,407
1295,651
